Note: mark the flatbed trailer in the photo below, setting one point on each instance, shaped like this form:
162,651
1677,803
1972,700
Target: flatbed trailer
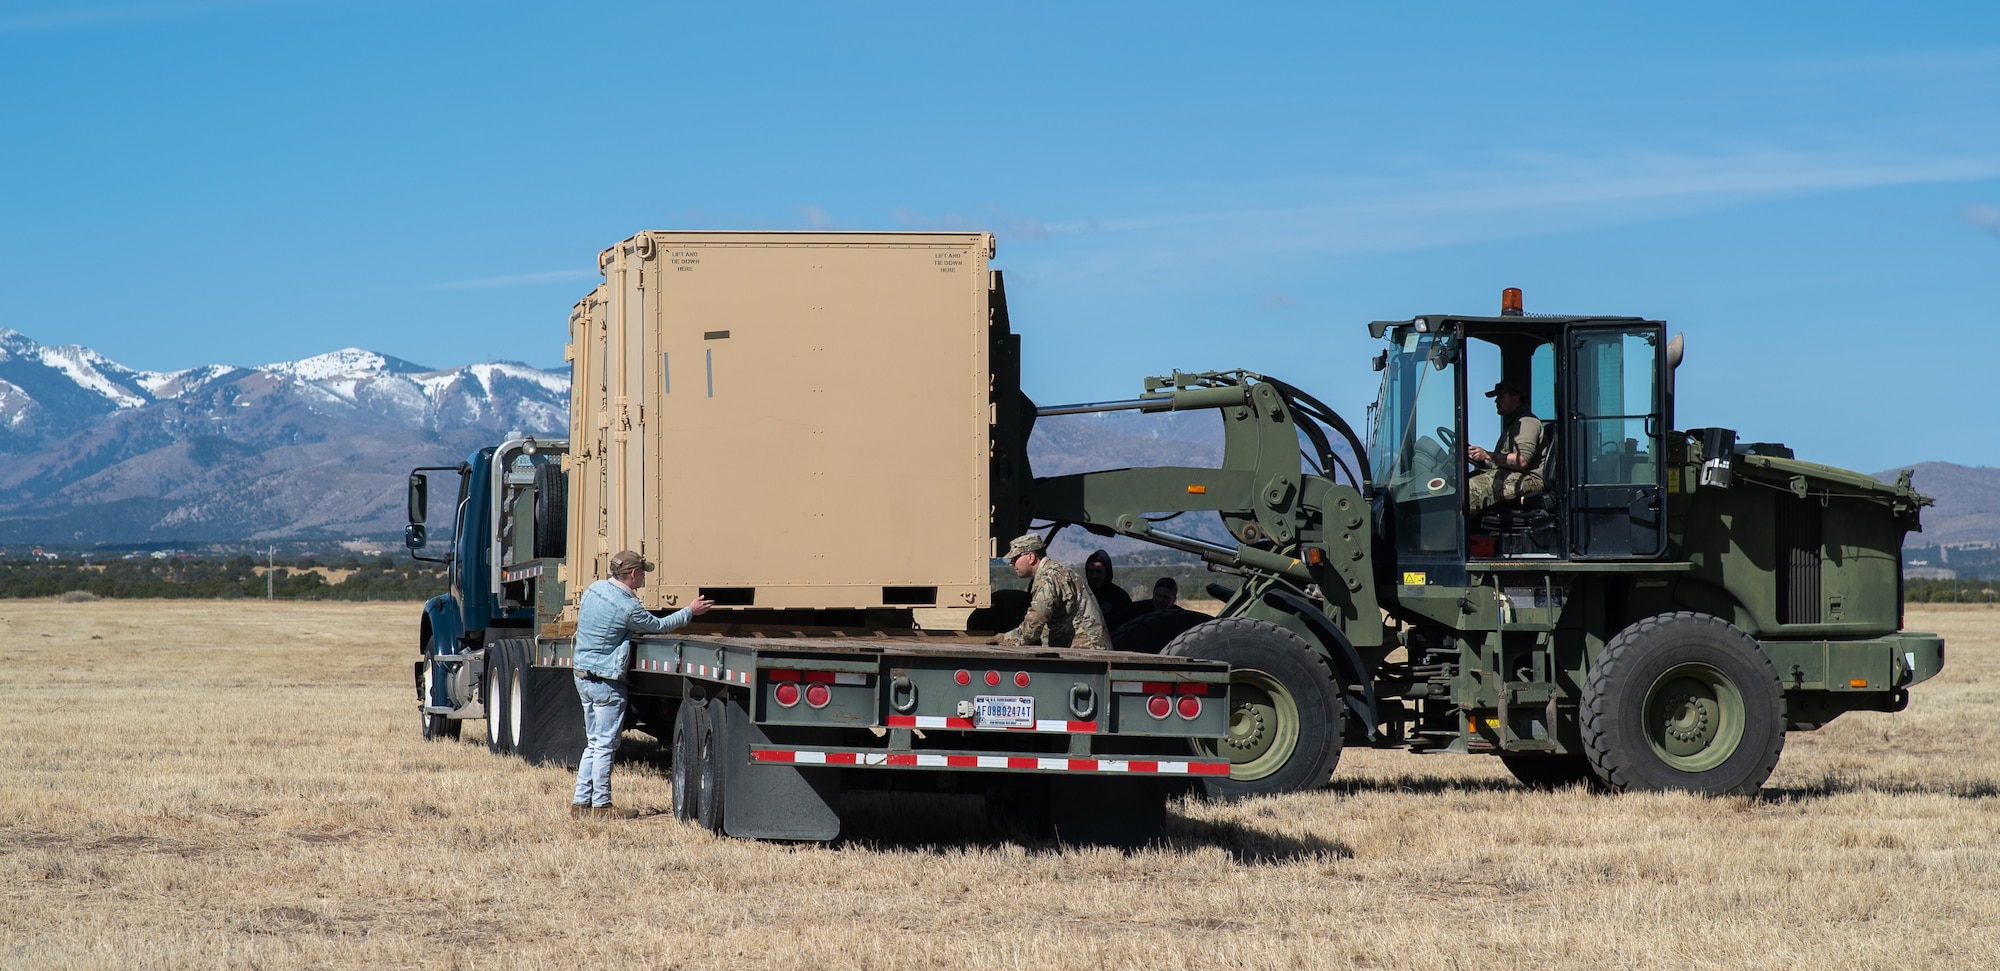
769,724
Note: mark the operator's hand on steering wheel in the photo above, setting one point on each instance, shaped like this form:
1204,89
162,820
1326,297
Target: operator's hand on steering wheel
1478,454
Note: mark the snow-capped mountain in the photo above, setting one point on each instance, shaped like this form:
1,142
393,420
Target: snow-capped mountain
100,452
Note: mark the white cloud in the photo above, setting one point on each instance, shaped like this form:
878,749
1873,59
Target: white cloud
73,15
816,218
1984,216
514,280
989,219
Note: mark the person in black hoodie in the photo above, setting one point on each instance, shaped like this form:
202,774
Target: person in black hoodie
1112,599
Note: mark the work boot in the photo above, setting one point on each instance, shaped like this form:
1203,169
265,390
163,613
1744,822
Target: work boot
578,810
614,812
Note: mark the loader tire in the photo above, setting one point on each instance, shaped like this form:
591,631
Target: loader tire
1286,714
1683,701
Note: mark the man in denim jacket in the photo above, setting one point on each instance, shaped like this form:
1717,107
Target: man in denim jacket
606,619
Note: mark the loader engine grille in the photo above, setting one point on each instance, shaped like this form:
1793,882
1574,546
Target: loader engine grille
1800,545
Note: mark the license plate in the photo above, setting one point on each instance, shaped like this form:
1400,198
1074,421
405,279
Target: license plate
1004,711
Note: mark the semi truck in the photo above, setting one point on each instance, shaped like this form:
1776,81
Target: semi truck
1656,617
801,428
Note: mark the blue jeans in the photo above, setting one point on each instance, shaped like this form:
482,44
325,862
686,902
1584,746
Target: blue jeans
603,717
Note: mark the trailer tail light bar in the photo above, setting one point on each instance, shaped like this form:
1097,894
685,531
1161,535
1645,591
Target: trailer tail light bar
916,760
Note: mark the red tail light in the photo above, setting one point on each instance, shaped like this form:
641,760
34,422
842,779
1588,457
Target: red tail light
1190,707
817,695
786,694
1021,679
1159,706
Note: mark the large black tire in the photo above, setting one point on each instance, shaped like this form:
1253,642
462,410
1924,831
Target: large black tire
495,688
1285,709
1150,633
1687,702
434,726
686,780
710,761
1551,771
551,511
551,713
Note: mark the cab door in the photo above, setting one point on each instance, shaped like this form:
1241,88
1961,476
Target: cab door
1617,479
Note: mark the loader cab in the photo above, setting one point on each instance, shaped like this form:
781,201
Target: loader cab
1599,386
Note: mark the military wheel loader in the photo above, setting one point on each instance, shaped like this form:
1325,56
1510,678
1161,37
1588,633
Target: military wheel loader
1657,617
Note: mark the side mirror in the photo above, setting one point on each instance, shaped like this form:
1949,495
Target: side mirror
419,503
414,536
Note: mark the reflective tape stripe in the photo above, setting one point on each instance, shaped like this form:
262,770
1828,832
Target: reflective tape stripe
967,725
926,760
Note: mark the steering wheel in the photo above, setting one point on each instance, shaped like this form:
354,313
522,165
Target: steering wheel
1444,435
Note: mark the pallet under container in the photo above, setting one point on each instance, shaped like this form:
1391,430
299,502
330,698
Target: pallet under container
768,727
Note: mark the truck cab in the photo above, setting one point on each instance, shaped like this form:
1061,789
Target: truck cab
1602,390
504,535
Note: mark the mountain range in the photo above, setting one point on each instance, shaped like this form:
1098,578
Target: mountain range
96,453
99,453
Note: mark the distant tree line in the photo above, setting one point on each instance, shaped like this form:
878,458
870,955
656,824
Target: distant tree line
1963,590
234,579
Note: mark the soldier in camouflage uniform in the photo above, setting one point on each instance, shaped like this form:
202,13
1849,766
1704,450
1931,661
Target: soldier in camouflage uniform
1061,610
1514,466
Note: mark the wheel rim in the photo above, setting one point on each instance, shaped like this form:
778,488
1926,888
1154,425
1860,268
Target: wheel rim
1263,726
514,708
426,693
1694,717
706,805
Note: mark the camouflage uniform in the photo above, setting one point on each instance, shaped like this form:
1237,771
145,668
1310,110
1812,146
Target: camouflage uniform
1521,435
1061,612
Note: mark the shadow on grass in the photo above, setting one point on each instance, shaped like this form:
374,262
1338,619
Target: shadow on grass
1421,785
943,823
1830,786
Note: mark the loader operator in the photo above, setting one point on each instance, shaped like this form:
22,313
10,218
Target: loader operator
1514,466
1061,610
606,618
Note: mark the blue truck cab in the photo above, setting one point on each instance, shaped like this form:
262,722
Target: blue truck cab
505,541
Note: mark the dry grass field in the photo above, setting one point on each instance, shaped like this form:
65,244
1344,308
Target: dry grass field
201,785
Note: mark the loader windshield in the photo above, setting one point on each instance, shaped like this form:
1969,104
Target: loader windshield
1415,460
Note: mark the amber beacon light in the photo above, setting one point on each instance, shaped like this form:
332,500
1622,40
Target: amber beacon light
1510,302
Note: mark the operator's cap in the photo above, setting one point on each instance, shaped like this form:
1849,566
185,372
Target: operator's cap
1506,386
1030,543
624,560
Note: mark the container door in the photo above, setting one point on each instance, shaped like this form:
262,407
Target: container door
1617,485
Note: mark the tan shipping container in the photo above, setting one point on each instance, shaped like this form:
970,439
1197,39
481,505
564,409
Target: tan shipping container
788,419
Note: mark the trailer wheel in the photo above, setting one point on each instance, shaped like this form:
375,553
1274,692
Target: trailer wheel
434,726
686,781
547,711
1285,712
1683,701
517,690
708,760
1551,771
495,689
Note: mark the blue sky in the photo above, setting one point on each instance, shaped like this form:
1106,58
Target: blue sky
1810,191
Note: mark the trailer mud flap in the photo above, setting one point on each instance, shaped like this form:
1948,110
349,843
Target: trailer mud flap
770,800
